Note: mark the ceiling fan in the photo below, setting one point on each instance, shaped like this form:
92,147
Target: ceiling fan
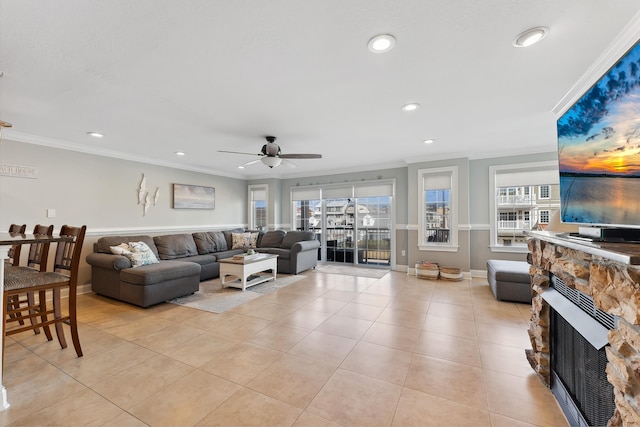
271,154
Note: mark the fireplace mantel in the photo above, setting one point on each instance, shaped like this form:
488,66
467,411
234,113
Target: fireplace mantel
610,274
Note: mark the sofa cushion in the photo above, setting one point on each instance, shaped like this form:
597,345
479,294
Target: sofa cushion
220,239
228,254
295,236
272,239
103,245
282,253
244,240
205,243
138,253
158,273
174,246
199,259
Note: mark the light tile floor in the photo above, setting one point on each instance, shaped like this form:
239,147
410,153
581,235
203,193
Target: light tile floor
328,350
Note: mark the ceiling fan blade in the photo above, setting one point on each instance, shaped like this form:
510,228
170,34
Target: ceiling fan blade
300,156
249,163
238,152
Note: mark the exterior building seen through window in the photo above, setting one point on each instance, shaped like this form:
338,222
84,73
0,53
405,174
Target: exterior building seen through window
437,215
258,207
524,208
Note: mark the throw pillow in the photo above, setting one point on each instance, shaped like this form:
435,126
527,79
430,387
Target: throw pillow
220,241
139,253
204,243
244,240
272,239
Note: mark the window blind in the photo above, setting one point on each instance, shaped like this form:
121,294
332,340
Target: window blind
527,176
436,181
305,194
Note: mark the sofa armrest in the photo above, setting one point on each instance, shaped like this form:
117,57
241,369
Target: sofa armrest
304,245
108,261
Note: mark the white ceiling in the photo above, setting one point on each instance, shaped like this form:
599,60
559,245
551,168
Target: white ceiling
160,76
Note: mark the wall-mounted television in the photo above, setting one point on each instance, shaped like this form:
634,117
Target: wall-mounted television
599,149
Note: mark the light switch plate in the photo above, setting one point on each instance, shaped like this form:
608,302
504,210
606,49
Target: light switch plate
51,213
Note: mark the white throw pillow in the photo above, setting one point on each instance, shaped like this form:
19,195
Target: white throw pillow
139,253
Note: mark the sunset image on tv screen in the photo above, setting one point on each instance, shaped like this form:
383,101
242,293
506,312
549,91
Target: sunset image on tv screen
599,149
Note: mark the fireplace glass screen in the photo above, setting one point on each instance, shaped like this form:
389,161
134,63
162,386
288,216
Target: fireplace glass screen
581,369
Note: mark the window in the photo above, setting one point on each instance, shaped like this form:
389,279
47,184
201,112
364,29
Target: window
544,217
258,206
438,216
543,191
525,198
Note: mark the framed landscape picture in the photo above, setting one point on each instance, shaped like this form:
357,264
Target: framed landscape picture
193,197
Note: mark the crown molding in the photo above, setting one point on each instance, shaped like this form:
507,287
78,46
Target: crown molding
629,35
62,145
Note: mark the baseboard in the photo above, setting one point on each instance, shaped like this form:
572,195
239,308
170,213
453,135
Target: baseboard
401,268
479,273
84,289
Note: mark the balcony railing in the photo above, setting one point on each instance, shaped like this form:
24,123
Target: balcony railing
516,200
514,225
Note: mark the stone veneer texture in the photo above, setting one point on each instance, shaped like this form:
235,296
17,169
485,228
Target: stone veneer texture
615,289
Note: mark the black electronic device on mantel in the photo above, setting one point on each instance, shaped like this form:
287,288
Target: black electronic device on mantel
608,235
599,155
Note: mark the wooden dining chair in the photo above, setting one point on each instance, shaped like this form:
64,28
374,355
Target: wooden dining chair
38,259
14,251
21,281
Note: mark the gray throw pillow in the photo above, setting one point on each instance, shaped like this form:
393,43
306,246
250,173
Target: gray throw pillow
204,243
175,246
220,240
272,239
293,237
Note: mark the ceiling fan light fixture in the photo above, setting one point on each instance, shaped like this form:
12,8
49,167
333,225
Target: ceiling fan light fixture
382,43
530,36
272,162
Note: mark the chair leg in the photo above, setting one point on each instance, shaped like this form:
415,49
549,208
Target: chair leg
14,302
42,304
57,314
31,301
73,323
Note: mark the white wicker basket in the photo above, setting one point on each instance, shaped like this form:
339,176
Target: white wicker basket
451,273
427,271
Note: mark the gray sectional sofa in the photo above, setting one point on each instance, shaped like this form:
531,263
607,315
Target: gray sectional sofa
186,259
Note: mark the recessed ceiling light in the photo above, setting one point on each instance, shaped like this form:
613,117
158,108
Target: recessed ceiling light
179,153
530,37
410,107
429,141
95,134
240,167
382,43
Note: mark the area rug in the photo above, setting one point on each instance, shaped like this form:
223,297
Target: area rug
216,299
350,270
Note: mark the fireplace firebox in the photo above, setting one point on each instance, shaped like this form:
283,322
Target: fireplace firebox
578,334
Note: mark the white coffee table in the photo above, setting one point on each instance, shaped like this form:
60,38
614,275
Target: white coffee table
245,267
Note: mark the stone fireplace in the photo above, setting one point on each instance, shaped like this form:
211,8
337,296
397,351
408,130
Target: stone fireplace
607,276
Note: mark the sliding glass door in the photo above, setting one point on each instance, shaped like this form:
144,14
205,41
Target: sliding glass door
353,223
